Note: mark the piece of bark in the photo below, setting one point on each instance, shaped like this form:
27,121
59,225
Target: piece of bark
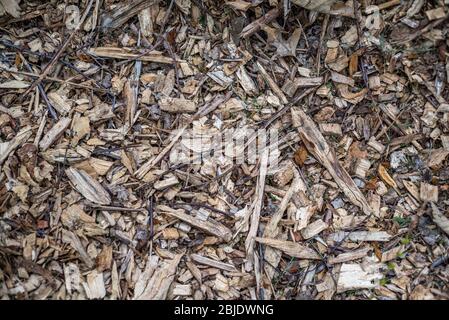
59,102
291,86
54,133
291,248
182,290
221,283
435,14
145,276
88,187
209,226
212,263
71,277
161,280
392,253
320,149
339,78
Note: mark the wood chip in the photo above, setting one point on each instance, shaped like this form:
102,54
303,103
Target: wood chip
88,186
317,145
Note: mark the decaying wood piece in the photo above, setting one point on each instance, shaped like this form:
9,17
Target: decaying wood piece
159,283
88,186
314,229
209,226
94,286
320,149
291,248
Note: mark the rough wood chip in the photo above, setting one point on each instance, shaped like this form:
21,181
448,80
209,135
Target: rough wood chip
359,236
95,285
428,192
293,249
123,53
176,105
88,186
159,283
349,256
317,145
75,242
440,220
212,263
7,147
210,226
313,229
357,276
54,133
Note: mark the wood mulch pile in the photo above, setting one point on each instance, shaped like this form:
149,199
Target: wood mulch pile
97,95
